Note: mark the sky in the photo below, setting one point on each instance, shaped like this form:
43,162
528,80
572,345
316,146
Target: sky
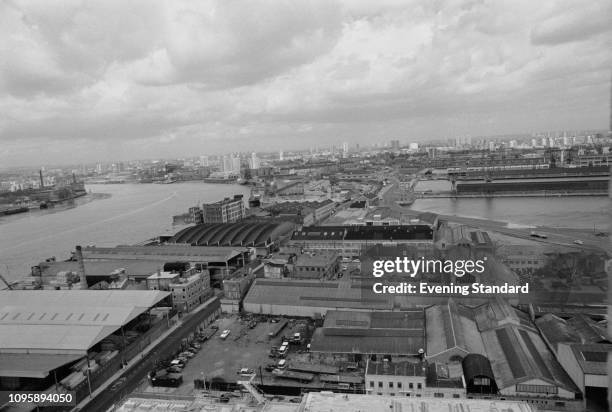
85,81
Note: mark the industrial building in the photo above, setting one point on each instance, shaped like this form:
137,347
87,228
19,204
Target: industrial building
217,258
339,402
262,236
351,241
306,298
414,379
452,332
581,346
228,210
356,336
56,329
323,265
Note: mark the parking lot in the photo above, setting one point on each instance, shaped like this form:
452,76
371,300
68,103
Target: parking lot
245,347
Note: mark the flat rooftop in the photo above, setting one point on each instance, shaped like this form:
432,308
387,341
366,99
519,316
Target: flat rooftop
339,402
166,253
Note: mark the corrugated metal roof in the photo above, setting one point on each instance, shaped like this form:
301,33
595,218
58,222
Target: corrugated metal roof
67,320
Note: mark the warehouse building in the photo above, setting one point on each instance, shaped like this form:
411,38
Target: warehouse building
351,241
356,336
56,329
581,346
264,236
452,332
307,298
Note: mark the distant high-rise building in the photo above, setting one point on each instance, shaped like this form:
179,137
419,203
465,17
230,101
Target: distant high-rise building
280,155
534,142
204,161
492,146
345,147
395,144
254,161
226,164
235,164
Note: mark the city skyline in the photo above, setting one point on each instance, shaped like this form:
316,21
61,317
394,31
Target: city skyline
110,80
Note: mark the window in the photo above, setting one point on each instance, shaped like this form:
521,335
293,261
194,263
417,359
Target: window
390,385
419,385
371,384
546,389
482,381
410,385
438,395
379,384
456,395
399,385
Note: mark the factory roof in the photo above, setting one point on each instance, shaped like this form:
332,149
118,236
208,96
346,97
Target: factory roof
400,343
313,260
34,365
314,293
340,402
397,232
577,329
246,233
165,253
346,331
592,358
452,326
137,268
397,368
519,355
67,321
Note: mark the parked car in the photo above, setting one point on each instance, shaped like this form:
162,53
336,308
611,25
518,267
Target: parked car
118,384
225,334
175,369
578,242
245,371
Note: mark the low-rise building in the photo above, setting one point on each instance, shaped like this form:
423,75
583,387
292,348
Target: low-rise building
323,265
275,268
189,292
581,346
351,241
162,280
414,378
359,336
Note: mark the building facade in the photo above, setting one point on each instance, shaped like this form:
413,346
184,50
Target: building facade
228,210
187,293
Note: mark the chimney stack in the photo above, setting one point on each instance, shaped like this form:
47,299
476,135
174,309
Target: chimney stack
79,257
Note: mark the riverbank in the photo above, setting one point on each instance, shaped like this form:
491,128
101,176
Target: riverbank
450,195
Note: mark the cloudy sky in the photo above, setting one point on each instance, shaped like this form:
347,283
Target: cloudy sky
99,80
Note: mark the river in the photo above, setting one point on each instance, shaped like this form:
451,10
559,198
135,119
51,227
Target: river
113,214
130,213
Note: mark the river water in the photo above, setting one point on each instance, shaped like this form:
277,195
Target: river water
130,213
125,214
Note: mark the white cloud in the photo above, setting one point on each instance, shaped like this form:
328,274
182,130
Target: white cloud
192,74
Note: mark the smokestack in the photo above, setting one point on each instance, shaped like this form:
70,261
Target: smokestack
79,257
42,183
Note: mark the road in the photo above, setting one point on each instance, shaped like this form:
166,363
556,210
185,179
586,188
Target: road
554,236
139,371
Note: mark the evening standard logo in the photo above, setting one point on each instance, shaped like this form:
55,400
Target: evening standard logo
412,267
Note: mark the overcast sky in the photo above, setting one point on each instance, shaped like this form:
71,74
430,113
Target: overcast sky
99,80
